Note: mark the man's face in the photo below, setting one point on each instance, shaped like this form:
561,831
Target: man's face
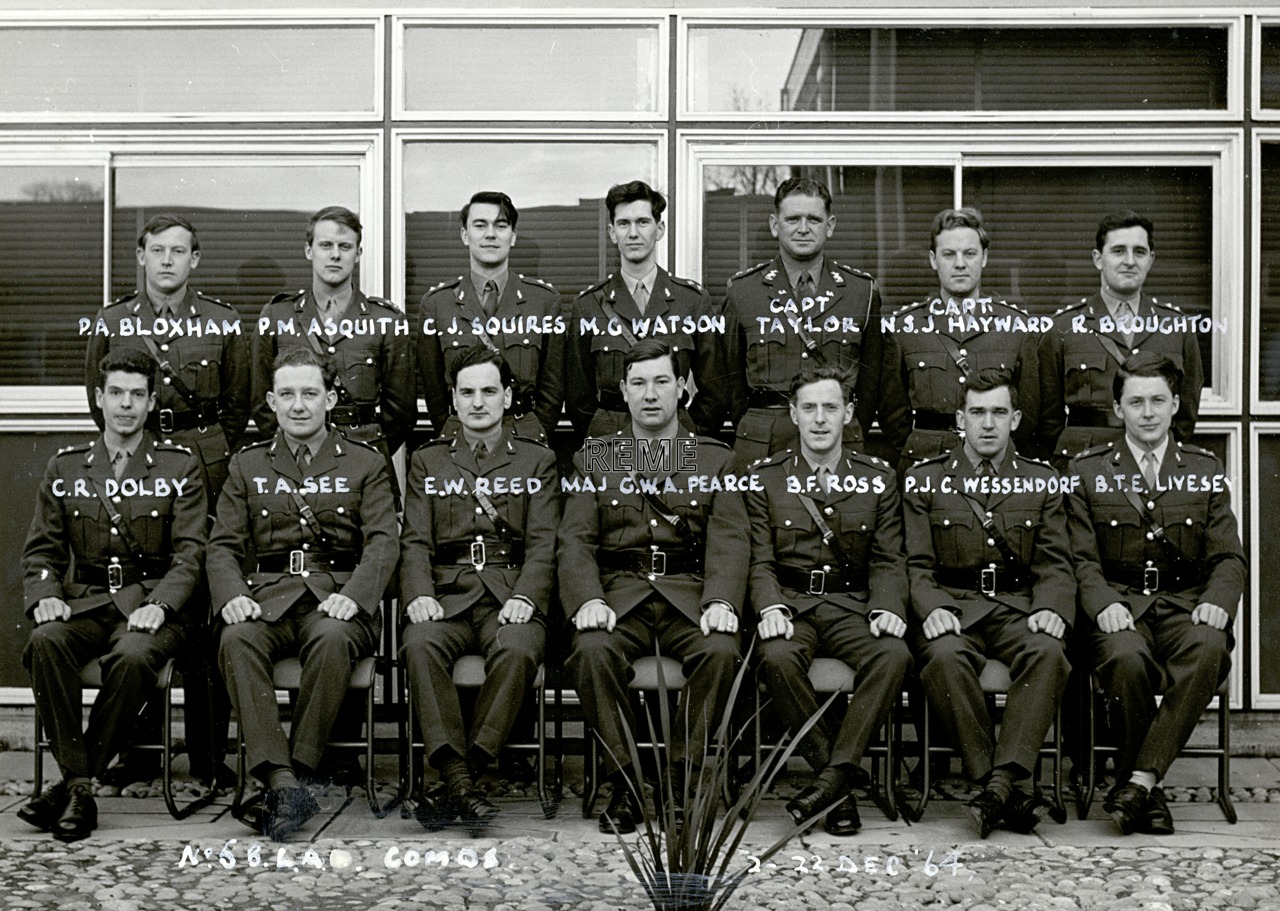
802,225
488,235
124,401
479,397
167,259
820,412
334,251
652,391
1147,407
300,401
958,259
1124,260
635,231
987,420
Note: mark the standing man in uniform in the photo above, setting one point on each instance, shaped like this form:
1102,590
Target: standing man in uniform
829,579
366,339
129,513
799,307
316,510
990,568
202,403
1089,341
1161,572
650,556
936,346
640,299
476,571
520,317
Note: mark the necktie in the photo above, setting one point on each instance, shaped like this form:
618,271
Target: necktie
1149,469
304,458
118,463
641,296
480,452
1126,314
824,473
986,469
489,298
804,287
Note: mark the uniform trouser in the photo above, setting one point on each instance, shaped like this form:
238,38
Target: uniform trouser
512,653
328,650
131,660
949,669
1196,659
879,664
764,431
601,666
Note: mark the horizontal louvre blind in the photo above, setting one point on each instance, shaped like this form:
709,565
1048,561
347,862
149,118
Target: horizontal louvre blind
1269,275
1270,53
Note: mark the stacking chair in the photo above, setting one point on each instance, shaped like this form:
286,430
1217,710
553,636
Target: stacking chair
91,678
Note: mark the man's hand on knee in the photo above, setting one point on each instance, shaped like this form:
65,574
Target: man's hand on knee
1210,614
49,609
241,608
887,622
424,608
516,610
146,619
339,607
1046,621
1115,617
718,617
939,622
595,614
774,622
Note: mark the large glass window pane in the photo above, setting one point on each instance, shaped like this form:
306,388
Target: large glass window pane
958,69
1269,275
1266,478
1270,54
290,70
50,270
1043,219
883,214
558,188
571,69
252,222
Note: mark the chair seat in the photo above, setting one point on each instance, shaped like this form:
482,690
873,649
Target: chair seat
468,671
646,674
831,675
91,674
995,678
287,674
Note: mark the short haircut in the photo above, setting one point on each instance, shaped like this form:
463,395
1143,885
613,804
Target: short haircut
802,186
475,356
635,191
160,223
812,373
127,360
991,378
649,349
506,208
302,356
1147,364
340,215
1124,218
968,217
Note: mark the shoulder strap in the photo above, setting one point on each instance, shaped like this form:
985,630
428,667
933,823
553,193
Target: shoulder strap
613,317
1109,344
673,518
175,380
956,355
502,525
313,523
1011,559
815,351
1154,528
120,522
828,536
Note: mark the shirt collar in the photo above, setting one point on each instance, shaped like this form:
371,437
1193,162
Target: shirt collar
1140,451
342,299
1113,303
314,446
832,464
975,459
814,271
647,280
478,282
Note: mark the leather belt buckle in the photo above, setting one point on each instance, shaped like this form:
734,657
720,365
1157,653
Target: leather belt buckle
817,581
1150,579
478,555
115,577
297,562
166,420
987,581
658,562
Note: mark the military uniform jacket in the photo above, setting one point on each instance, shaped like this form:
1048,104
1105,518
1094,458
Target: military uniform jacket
864,510
72,525
920,374
449,513
532,322
350,495
942,532
374,364
1191,502
843,319
213,365
1076,370
594,358
604,514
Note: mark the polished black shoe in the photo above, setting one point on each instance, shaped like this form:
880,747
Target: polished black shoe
43,811
813,800
1024,811
433,811
1157,820
987,809
844,819
1127,805
621,814
79,817
474,807
288,810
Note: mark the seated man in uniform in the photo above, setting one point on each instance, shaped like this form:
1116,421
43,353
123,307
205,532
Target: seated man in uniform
829,579
652,552
990,569
316,509
129,511
1161,572
476,570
